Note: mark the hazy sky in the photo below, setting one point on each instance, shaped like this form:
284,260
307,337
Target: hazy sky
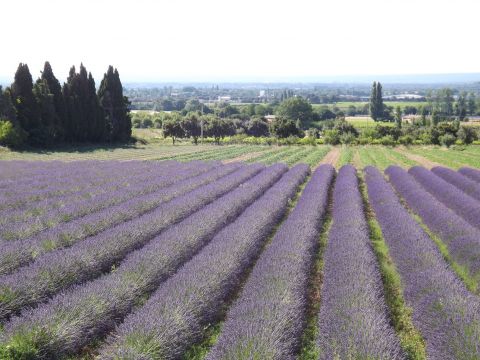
214,40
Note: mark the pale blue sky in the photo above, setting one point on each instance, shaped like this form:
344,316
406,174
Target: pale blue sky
191,40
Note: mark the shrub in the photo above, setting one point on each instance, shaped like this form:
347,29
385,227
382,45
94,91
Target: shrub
388,140
307,141
447,140
405,140
331,137
10,135
466,135
348,138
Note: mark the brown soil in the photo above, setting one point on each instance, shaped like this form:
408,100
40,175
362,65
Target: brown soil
331,158
418,158
244,157
356,160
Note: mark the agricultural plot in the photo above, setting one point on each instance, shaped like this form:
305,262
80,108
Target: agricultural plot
359,156
265,259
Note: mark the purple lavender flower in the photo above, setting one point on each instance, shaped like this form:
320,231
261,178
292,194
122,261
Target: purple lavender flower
268,318
464,183
19,225
178,311
462,239
449,195
473,174
353,320
447,315
95,255
19,253
88,310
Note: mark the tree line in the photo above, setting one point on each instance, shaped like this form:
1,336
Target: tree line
45,113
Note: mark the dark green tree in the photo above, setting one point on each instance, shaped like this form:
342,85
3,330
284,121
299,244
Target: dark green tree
376,102
423,115
191,126
59,102
461,106
115,106
47,133
86,119
296,108
257,127
472,104
219,128
7,109
24,100
282,127
398,117
173,128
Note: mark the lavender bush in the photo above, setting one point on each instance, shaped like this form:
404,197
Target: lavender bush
178,311
77,189
87,259
353,320
449,195
88,310
471,173
19,253
61,180
464,183
462,239
110,195
447,315
267,320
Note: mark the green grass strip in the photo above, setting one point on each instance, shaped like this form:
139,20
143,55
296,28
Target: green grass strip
308,348
401,159
346,156
316,156
410,337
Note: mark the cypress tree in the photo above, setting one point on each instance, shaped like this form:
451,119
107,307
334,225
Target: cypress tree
7,109
55,89
376,101
74,116
86,120
115,106
82,92
380,107
373,102
24,101
46,134
97,130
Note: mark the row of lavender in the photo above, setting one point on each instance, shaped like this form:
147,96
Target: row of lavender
353,319
95,306
445,312
14,254
53,179
53,210
90,257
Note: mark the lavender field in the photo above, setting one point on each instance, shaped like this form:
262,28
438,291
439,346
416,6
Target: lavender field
211,260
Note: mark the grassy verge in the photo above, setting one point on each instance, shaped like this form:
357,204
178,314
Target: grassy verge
461,271
411,340
346,156
308,347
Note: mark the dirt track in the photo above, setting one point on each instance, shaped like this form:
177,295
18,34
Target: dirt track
331,158
418,158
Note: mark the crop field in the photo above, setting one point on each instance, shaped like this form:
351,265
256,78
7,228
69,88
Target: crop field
343,105
359,156
206,259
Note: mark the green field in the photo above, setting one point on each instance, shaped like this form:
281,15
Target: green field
360,156
343,105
